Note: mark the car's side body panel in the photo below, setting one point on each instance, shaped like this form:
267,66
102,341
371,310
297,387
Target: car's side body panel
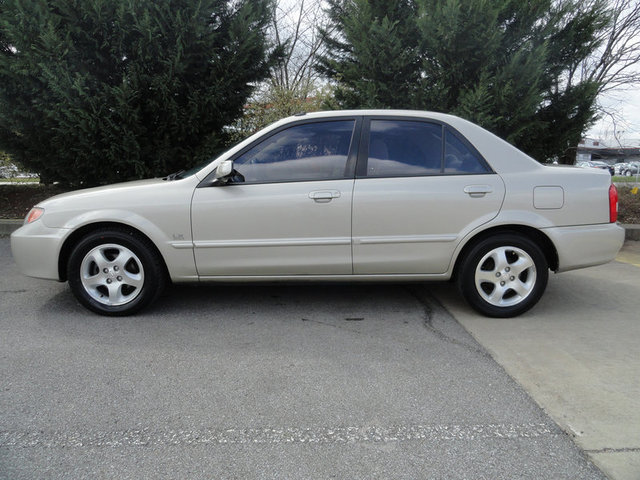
160,210
582,197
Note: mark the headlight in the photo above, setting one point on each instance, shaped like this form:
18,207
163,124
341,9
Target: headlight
34,214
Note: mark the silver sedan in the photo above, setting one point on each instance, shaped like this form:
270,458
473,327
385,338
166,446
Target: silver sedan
335,196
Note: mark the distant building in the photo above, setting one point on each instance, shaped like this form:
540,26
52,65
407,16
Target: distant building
590,149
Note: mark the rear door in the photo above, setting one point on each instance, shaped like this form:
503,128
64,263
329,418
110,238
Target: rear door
420,187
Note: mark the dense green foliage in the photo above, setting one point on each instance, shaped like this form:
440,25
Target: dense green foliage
500,63
103,90
5,159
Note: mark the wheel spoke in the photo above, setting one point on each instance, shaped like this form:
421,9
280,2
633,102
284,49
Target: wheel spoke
123,258
95,282
500,258
115,294
520,288
97,257
497,295
522,264
88,279
132,279
485,276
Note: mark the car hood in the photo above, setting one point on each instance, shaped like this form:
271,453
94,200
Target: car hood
88,193
130,203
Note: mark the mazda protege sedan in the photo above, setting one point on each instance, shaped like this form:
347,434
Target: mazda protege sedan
365,195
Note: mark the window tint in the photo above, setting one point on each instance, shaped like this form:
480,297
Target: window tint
403,147
458,158
313,151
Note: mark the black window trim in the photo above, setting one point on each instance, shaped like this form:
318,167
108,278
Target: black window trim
352,154
363,154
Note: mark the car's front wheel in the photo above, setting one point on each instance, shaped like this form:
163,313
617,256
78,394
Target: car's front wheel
503,275
115,272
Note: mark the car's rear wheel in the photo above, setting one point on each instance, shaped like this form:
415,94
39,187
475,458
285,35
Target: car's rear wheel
115,272
503,275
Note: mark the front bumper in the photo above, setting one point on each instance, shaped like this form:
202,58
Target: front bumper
36,249
586,245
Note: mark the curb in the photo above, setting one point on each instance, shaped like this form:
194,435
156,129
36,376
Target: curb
632,232
8,226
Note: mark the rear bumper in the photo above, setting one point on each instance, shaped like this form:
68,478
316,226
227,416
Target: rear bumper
36,249
586,245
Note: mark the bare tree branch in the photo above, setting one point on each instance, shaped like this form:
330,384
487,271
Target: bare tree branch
617,63
295,30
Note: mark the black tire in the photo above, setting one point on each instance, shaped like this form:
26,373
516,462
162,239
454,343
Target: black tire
115,272
503,275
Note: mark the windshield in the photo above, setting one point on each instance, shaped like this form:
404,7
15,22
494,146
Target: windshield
193,170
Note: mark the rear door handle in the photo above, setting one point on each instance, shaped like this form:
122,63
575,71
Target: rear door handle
477,190
324,196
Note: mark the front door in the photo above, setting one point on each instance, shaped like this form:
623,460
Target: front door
287,210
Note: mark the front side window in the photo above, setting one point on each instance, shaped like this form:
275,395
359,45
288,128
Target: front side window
312,151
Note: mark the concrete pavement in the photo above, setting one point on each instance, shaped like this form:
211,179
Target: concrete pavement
577,353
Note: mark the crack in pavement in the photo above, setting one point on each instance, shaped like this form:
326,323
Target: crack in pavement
427,306
327,324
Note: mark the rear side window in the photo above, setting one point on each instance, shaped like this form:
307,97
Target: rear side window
415,148
312,151
404,148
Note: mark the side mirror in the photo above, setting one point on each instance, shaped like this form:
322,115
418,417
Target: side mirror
224,169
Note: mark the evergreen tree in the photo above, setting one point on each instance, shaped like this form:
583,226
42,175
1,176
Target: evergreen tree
107,90
372,53
499,63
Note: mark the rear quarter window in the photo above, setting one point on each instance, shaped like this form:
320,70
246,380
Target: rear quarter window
459,158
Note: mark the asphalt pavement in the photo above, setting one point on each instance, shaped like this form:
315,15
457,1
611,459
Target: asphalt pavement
293,382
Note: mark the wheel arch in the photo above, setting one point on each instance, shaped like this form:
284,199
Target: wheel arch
72,240
534,234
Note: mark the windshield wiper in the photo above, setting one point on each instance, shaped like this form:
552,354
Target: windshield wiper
174,176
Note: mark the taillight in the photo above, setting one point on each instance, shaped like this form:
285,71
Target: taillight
613,203
34,214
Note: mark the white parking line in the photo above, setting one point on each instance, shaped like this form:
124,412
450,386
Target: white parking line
273,436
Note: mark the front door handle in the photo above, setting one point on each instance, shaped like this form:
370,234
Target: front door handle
324,196
477,190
